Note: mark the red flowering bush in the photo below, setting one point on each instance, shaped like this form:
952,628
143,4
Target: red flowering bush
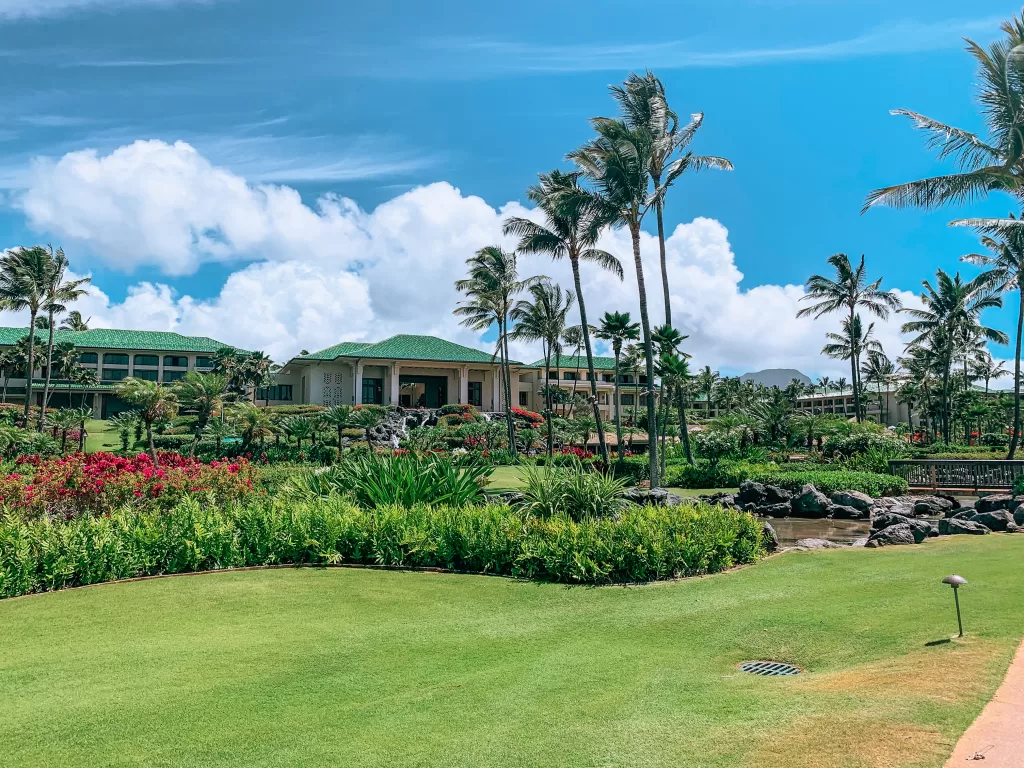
573,450
534,419
100,482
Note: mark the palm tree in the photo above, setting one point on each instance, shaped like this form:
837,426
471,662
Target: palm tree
368,419
543,319
59,293
124,422
338,417
825,384
668,340
618,328
153,401
643,107
84,378
676,369
64,360
707,379
617,161
24,284
849,290
986,369
64,420
203,395
572,338
8,364
573,223
490,289
879,369
255,371
252,423
951,313
299,427
843,346
1003,265
981,166
74,322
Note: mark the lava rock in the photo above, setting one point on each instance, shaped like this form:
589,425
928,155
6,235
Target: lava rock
657,497
954,525
962,514
776,495
1013,528
1018,516
993,502
810,502
951,499
994,521
854,499
844,512
895,535
750,493
921,528
817,544
771,539
773,510
932,506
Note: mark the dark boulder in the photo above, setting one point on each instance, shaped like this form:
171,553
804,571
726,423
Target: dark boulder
844,512
657,497
993,502
775,495
773,510
994,521
1014,528
955,525
750,493
854,499
894,535
810,502
932,506
771,539
1018,516
921,528
951,499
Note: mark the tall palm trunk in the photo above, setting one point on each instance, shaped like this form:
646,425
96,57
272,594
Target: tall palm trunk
590,362
507,384
855,368
663,410
547,401
7,378
684,430
1015,440
81,437
617,350
150,444
661,252
49,373
30,363
645,324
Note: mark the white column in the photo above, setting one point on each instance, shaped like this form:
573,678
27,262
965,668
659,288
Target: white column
358,382
496,392
395,388
464,385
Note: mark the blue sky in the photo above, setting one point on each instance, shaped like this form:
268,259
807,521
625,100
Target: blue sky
369,101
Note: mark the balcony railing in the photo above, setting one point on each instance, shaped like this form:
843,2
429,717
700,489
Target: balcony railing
958,474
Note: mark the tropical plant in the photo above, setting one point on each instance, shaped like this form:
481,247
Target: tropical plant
124,422
543,320
618,328
848,291
252,423
74,322
339,417
879,370
572,490
643,107
573,224
706,381
675,370
617,161
64,420
59,293
153,401
854,338
299,427
201,394
368,419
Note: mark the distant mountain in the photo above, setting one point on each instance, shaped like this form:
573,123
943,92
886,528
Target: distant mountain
776,377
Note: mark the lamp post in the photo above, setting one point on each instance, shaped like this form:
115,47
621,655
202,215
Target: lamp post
955,582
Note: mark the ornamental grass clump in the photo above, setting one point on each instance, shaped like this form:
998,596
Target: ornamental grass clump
639,544
573,491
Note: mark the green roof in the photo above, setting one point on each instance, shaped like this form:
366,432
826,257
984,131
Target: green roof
579,361
406,347
110,338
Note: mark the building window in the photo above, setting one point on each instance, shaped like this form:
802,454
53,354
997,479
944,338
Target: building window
643,379
524,399
625,378
88,357
553,375
476,393
602,398
170,376
175,361
608,378
569,375
147,375
112,358
153,360
207,362
627,399
114,374
373,391
276,392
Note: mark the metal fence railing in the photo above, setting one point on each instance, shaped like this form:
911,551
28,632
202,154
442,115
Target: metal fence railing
958,474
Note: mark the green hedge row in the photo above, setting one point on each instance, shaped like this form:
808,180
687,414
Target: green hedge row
827,478
643,543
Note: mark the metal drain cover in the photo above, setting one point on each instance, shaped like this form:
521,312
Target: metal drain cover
769,668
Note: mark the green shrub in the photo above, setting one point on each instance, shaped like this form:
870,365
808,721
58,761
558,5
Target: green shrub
727,474
871,483
271,477
172,442
573,491
293,410
994,438
641,544
634,468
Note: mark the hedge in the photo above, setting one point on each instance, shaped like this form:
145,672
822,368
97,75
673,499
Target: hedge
641,544
871,483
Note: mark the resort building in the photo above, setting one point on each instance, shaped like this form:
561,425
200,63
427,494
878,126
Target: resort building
570,375
882,407
113,355
406,370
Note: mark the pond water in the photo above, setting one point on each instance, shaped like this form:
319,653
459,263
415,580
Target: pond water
789,529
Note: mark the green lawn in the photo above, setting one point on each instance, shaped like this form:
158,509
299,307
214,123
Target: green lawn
332,667
101,436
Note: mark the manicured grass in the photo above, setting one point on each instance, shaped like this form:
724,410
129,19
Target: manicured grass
506,479
306,667
101,436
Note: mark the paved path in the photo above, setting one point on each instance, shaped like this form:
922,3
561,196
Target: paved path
998,733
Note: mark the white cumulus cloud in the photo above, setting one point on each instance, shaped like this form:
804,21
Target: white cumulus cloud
311,275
